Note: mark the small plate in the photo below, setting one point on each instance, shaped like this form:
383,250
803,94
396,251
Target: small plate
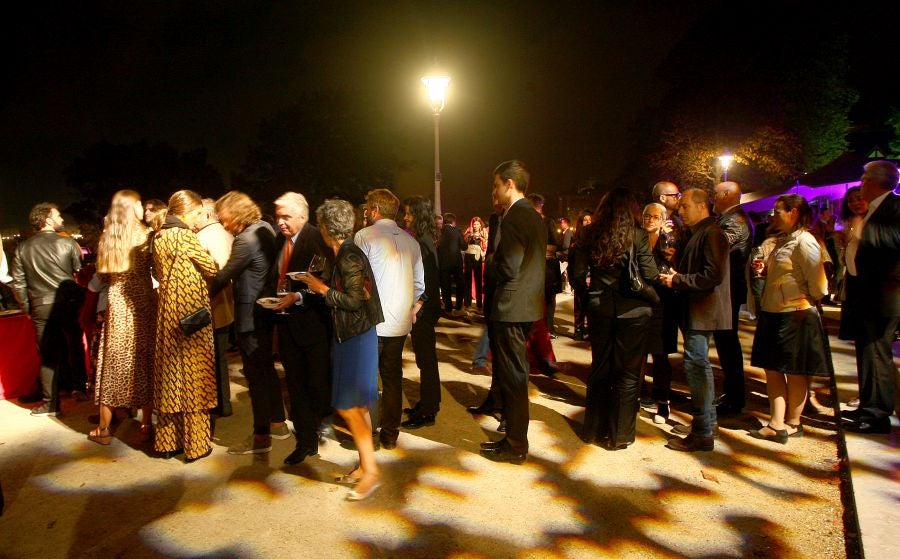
296,275
268,302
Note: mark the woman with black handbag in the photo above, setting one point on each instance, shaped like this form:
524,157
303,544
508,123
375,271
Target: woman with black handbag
184,387
618,317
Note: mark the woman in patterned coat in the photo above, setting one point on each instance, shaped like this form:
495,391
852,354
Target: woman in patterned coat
184,387
125,360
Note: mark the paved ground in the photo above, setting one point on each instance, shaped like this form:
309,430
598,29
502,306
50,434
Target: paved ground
68,497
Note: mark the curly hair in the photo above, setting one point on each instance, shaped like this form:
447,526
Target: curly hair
38,215
242,210
122,232
337,217
609,235
423,224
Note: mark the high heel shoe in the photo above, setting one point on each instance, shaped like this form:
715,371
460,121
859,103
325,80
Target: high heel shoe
355,495
100,436
780,435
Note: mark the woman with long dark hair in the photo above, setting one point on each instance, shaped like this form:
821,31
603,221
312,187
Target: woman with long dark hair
853,210
476,247
617,318
419,220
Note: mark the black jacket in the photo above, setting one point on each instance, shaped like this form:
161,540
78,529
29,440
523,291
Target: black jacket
878,260
41,264
353,296
518,265
703,276
309,322
450,248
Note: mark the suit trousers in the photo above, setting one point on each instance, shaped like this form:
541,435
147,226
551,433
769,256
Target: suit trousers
425,347
390,369
875,364
507,341
262,380
307,372
731,357
223,381
447,278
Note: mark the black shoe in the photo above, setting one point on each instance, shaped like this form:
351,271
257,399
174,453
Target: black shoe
483,409
579,335
299,455
195,458
493,445
411,411
851,415
502,427
725,410
419,420
662,413
504,453
691,443
780,436
388,444
870,426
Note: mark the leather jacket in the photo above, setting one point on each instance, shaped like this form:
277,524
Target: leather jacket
353,296
41,264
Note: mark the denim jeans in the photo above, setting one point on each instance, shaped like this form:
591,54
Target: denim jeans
480,358
700,379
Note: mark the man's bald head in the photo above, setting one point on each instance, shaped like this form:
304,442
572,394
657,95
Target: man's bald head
667,194
725,195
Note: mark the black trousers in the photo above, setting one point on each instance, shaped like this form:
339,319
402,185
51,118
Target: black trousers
425,347
448,276
390,369
59,342
307,372
507,340
262,380
875,364
223,382
731,357
473,273
613,386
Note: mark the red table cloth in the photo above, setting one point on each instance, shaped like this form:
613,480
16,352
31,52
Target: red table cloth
20,362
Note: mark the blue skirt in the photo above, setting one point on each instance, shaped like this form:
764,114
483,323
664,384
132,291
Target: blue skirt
355,361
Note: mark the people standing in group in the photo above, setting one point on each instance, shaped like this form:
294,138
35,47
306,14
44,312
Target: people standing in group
662,331
618,318
419,218
733,221
875,255
396,260
124,374
249,268
353,294
517,266
790,341
451,247
217,241
476,247
702,275
305,333
184,365
43,279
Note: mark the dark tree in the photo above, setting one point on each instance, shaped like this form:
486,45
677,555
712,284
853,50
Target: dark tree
154,170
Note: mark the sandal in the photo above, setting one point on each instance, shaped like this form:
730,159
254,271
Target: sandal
797,430
100,436
780,435
348,478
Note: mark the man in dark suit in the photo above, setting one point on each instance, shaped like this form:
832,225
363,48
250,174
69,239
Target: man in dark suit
304,335
738,230
877,258
517,268
249,267
450,261
703,276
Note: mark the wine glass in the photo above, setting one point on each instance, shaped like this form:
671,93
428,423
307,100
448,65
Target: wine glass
282,290
757,263
316,265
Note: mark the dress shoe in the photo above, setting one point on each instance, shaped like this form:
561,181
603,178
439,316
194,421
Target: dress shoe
502,427
686,430
419,420
779,436
691,443
851,415
388,444
411,411
493,445
195,458
299,455
45,410
726,409
483,409
504,453
870,426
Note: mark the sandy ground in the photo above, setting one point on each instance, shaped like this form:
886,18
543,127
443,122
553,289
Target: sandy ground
69,497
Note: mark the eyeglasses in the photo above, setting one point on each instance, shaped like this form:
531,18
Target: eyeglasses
650,217
676,195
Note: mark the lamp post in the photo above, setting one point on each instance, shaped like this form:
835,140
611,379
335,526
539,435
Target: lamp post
437,87
725,160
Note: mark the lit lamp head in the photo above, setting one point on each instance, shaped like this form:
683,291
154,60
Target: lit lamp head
437,87
725,160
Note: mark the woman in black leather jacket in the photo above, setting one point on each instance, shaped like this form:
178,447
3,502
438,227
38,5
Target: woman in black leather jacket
617,318
356,309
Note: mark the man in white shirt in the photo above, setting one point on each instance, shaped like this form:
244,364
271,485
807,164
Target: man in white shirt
396,261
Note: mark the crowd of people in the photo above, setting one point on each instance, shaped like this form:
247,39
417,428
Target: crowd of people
177,282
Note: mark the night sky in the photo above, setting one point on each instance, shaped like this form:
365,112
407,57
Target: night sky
557,85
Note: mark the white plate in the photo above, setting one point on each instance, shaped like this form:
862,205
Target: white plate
268,302
296,275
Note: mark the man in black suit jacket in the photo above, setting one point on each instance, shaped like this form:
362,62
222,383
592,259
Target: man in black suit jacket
878,270
450,261
249,267
304,335
517,268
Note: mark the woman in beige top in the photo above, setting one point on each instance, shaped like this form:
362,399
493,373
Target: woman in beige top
790,341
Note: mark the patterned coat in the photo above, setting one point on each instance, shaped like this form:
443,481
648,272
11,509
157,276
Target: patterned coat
184,376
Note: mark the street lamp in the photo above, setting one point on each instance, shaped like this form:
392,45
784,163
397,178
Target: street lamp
437,87
725,160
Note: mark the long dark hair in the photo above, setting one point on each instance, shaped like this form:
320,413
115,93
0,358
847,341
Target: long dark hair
846,212
423,224
610,234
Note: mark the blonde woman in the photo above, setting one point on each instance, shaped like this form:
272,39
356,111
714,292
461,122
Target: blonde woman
184,380
125,358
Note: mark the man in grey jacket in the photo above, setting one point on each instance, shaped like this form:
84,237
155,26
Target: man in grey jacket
703,277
